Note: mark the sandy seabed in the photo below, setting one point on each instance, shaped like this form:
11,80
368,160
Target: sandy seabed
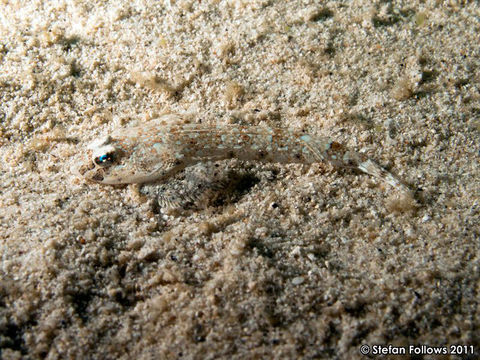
286,261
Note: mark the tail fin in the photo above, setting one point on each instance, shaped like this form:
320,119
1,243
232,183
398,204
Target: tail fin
338,155
371,168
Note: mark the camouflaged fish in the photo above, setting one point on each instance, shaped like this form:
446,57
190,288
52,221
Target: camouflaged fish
164,146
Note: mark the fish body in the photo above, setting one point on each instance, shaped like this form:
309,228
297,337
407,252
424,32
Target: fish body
159,149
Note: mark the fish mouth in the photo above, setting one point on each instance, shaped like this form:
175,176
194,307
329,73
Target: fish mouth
92,173
88,171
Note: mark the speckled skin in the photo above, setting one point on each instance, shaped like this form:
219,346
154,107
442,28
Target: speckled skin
164,146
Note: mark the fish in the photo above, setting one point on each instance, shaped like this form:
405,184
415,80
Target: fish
159,149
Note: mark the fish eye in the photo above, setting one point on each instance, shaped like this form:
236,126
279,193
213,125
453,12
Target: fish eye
104,159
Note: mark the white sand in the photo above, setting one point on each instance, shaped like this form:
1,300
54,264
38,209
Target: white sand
294,261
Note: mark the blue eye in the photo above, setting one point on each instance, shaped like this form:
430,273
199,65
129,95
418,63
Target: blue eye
104,159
